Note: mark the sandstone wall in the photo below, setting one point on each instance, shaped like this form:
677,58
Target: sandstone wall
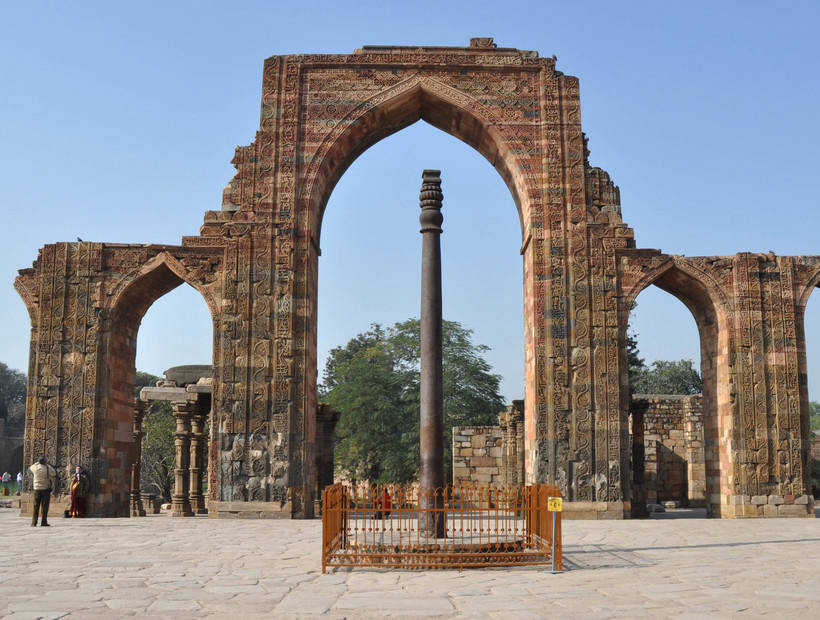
477,455
674,465
491,455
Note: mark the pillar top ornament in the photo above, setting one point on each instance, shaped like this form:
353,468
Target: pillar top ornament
430,200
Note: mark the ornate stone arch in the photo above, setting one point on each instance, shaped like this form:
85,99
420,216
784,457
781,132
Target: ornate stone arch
657,266
804,295
153,279
693,282
416,98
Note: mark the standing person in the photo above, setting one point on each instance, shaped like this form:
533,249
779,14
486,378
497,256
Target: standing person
6,479
43,481
19,482
79,491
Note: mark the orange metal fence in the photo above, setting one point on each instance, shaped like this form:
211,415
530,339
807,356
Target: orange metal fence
390,526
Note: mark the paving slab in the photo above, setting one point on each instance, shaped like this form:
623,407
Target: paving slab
200,568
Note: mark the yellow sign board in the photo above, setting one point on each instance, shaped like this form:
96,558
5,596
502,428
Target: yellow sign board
554,504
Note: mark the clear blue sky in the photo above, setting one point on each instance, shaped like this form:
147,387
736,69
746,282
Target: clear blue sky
118,122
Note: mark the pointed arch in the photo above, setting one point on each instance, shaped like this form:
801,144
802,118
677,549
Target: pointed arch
803,297
130,299
709,304
416,98
136,292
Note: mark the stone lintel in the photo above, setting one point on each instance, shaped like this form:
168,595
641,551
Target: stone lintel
173,394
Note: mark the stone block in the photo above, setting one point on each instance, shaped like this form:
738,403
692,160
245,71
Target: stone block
801,500
739,500
788,499
792,510
775,500
759,500
493,471
750,510
769,510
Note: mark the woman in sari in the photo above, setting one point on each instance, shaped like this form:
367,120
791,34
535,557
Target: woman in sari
79,491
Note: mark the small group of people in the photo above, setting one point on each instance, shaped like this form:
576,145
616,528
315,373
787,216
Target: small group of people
7,481
44,479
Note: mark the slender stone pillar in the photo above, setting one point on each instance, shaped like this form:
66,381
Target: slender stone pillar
197,441
180,500
137,509
431,439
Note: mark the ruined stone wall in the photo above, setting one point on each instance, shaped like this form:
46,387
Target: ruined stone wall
749,311
491,454
477,455
256,263
85,301
674,465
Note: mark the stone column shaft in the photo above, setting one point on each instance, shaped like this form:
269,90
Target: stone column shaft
197,440
431,440
180,500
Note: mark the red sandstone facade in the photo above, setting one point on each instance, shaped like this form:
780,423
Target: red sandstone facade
255,263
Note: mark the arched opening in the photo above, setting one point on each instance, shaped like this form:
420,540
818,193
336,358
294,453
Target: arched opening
704,484
666,414
173,323
808,325
374,212
413,100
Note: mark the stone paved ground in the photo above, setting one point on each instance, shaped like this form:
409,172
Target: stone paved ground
196,568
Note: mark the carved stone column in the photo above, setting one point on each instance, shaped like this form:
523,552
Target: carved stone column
180,499
137,509
431,397
197,443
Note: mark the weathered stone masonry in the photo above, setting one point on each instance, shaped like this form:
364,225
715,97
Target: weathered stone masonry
255,262
671,465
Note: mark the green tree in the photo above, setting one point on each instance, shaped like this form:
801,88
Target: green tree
635,363
814,412
374,382
665,377
13,397
158,451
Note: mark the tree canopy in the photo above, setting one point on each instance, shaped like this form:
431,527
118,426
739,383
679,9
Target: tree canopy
13,386
373,381
667,377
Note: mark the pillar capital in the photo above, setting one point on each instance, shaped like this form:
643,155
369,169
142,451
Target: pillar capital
430,200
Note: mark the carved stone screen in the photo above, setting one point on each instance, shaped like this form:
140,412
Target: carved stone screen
255,263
